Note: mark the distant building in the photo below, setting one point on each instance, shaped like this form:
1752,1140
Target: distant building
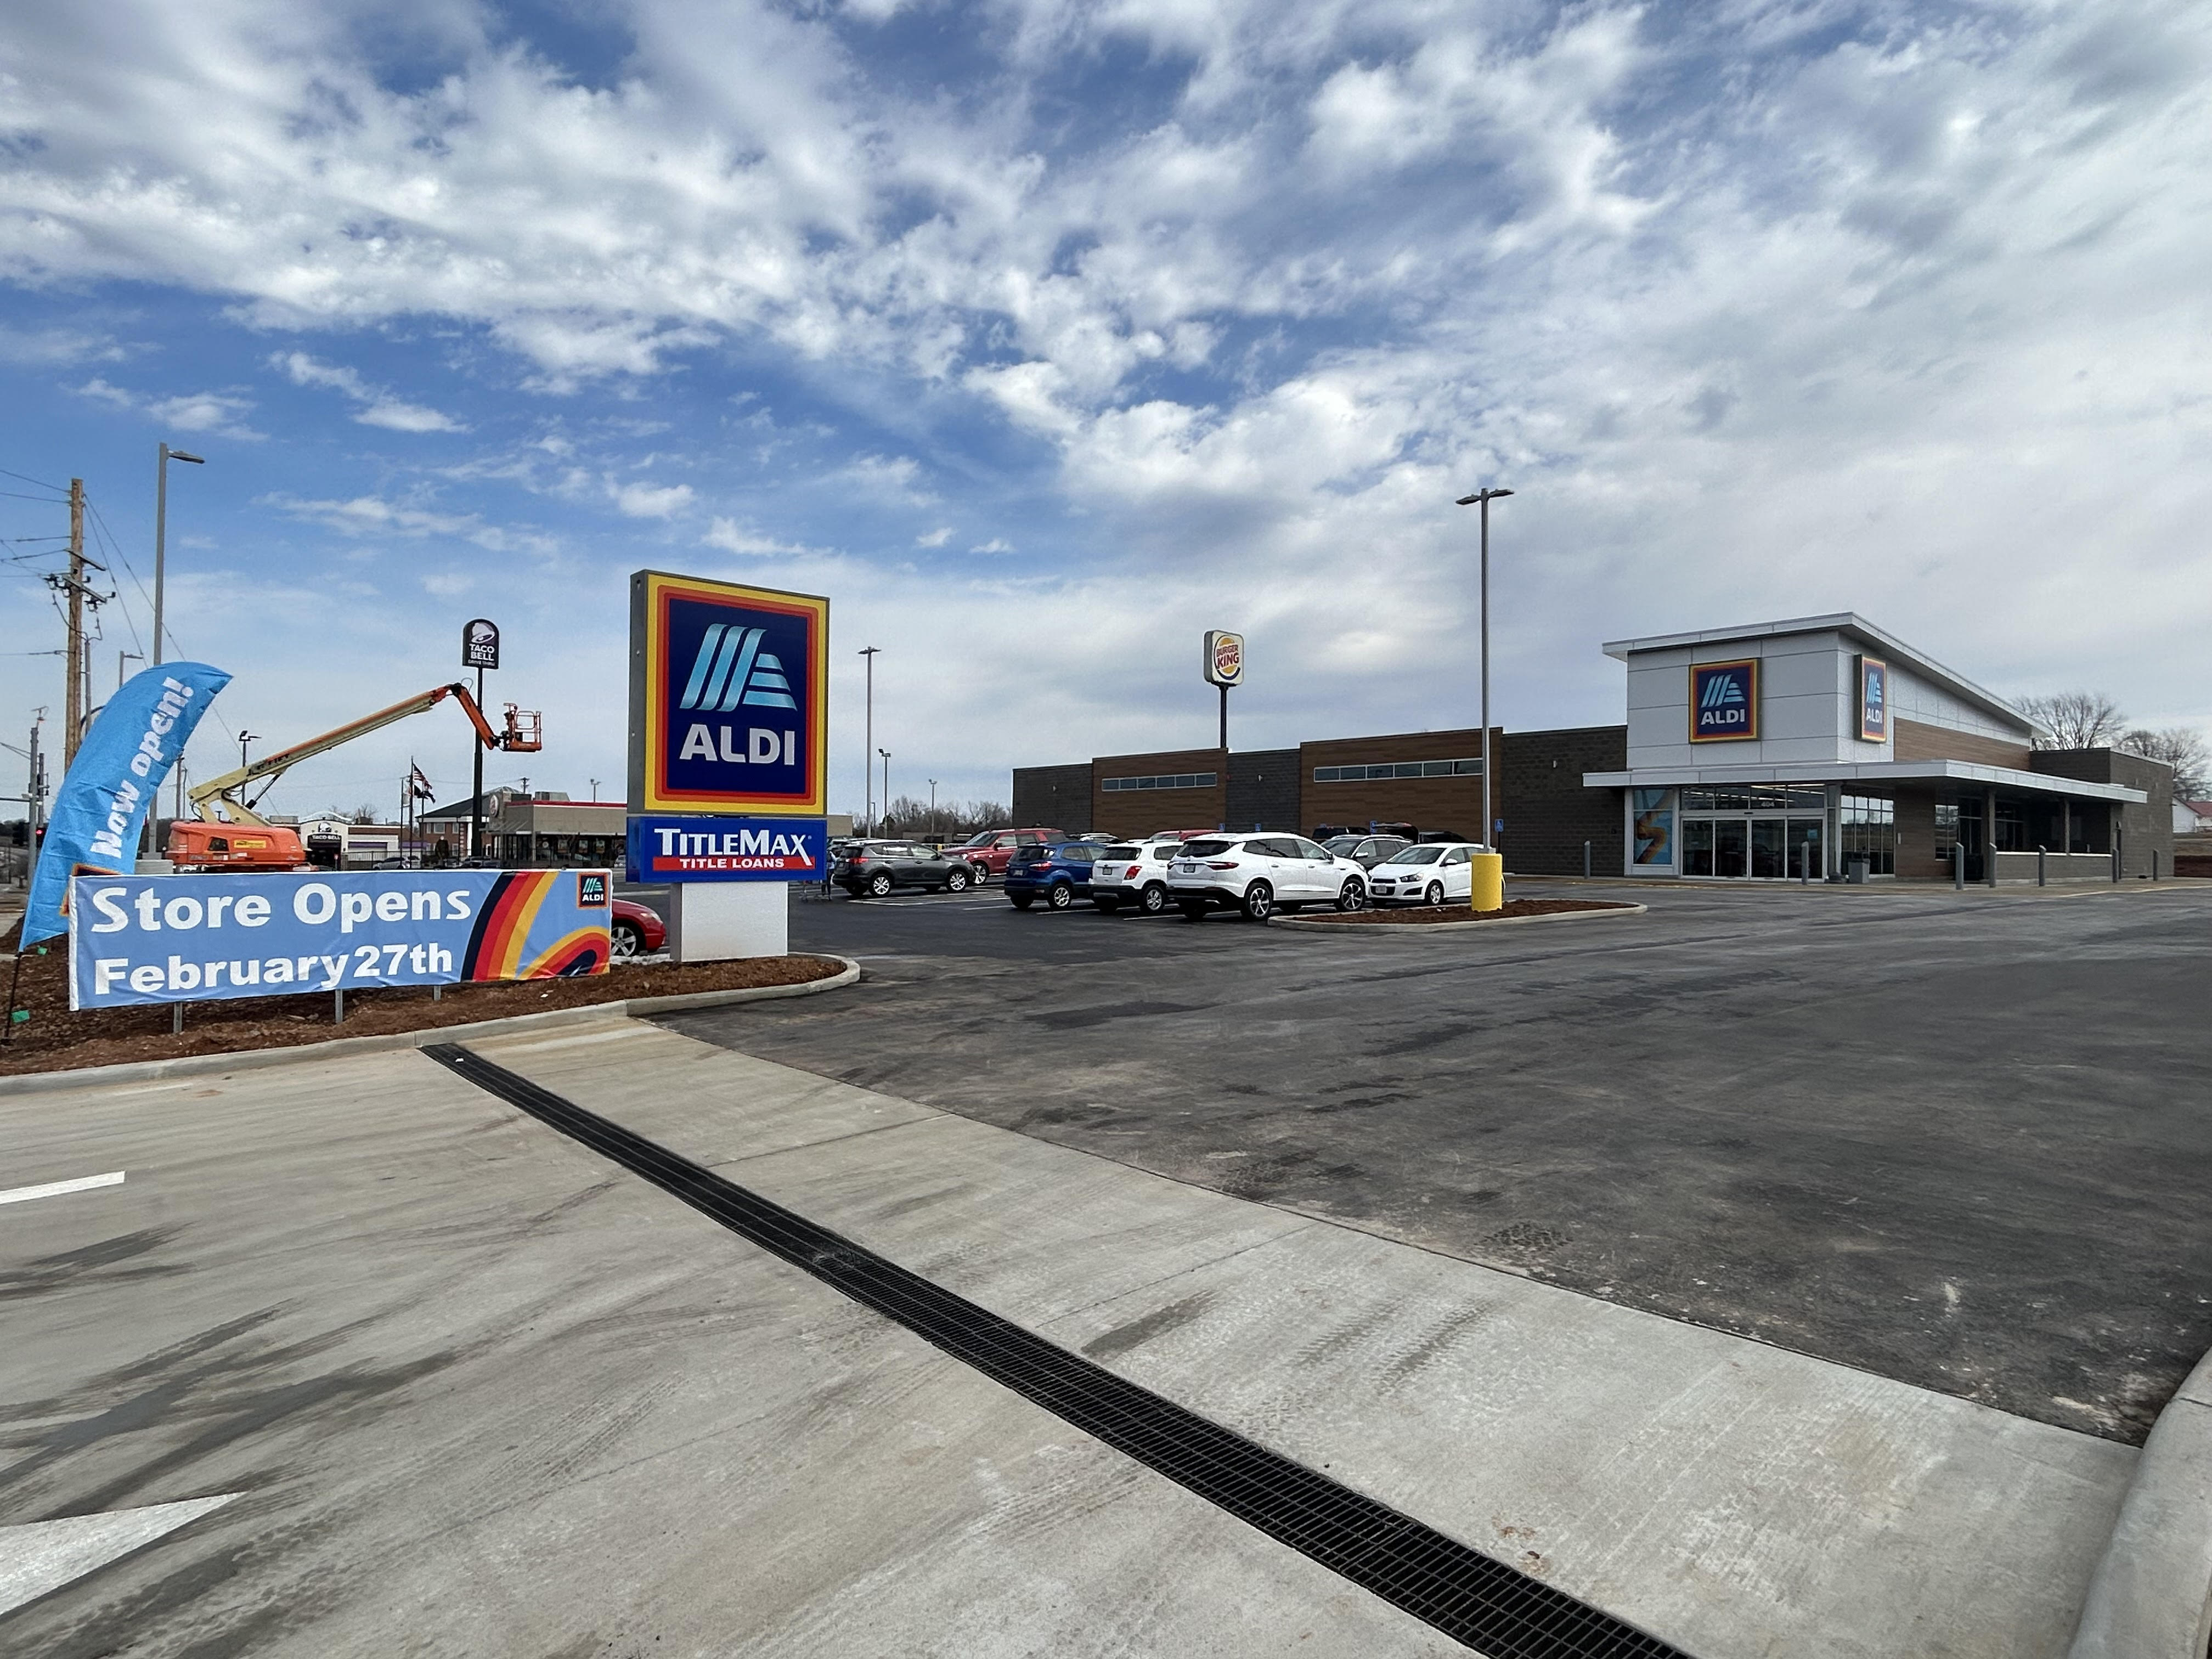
530,830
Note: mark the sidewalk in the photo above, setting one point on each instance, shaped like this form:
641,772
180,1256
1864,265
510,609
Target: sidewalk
1735,1499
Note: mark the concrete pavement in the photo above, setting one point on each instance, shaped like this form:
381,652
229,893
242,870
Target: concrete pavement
482,1392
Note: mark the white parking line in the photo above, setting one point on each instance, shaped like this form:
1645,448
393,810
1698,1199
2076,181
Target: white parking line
55,1188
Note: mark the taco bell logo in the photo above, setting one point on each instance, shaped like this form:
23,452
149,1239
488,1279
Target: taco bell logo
1723,702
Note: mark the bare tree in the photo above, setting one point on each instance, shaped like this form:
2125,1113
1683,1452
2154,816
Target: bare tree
948,820
2179,747
2075,720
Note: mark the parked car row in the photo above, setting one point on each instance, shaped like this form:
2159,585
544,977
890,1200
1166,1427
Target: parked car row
1254,875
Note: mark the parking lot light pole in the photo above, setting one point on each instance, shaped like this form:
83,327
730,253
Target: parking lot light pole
886,754
868,753
162,532
1483,499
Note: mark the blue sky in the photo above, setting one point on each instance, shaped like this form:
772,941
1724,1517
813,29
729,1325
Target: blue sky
1044,336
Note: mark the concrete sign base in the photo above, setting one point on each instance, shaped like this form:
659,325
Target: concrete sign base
715,921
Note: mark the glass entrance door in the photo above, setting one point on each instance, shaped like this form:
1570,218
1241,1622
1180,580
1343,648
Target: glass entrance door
1805,850
1755,848
1731,839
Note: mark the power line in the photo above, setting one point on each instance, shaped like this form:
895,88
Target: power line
42,483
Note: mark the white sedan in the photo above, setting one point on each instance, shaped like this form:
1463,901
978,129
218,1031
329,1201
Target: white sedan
1434,873
1261,874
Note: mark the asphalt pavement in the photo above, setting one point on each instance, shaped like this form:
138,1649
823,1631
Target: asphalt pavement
1956,1140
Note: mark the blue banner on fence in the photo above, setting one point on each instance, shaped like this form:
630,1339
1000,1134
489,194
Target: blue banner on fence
193,939
728,849
111,783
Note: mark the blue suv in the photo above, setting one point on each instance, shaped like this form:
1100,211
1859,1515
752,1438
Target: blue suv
1059,875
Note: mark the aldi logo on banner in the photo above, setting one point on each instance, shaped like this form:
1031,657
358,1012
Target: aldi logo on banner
729,706
1873,699
1724,702
728,849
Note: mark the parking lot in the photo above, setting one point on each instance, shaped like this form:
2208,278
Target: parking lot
1953,1139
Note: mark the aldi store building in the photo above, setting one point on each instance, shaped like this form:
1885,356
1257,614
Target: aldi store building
1787,751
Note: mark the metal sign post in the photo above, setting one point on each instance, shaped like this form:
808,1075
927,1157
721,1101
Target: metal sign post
479,650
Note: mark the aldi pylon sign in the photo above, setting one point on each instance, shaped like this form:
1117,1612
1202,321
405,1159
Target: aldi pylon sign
729,701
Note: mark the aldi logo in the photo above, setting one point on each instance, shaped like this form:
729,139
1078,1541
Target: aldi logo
1873,699
728,703
1724,702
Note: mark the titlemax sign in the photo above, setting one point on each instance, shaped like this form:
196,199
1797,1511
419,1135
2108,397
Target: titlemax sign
727,849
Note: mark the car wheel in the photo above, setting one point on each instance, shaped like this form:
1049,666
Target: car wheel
1435,896
625,941
1107,902
1259,902
1060,895
1022,903
1352,895
957,882
1153,899
1192,909
879,885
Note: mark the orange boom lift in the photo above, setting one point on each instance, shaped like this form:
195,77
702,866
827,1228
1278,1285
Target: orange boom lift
229,834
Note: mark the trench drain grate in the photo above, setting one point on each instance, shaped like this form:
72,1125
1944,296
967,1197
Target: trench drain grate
1491,1607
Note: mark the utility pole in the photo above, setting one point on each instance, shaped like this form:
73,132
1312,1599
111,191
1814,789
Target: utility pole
868,753
73,703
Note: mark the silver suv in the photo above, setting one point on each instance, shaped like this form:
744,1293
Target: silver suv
1261,874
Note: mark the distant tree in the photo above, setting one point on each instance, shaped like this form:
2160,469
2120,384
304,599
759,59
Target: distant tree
948,820
2075,720
2180,747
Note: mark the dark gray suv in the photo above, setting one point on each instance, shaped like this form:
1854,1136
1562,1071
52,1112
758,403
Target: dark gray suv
875,867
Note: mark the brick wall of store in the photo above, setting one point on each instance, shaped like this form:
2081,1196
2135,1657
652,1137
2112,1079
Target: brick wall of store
1052,797
2145,830
1263,789
1919,854
1140,811
1548,811
1453,803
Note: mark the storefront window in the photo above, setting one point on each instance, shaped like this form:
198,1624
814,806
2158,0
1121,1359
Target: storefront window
2012,827
1655,827
1866,829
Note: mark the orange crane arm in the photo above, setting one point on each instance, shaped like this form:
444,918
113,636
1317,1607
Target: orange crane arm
271,766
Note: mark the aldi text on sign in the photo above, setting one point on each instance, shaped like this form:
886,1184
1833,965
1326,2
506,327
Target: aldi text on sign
728,698
1873,699
727,849
189,939
1724,702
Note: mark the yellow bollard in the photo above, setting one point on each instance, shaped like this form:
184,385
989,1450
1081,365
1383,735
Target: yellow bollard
1486,881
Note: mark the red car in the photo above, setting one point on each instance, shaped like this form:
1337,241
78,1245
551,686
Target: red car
988,852
635,930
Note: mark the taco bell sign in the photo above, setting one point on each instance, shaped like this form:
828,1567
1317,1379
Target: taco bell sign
728,698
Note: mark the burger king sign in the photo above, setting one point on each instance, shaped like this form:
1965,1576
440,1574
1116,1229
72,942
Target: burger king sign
1225,658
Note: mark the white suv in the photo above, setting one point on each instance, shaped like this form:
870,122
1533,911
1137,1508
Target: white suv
1260,874
1135,873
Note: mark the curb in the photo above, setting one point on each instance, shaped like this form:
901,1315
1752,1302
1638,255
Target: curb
1418,929
151,1071
2151,1595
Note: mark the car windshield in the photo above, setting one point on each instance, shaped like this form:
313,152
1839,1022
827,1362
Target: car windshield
1205,849
1117,852
1345,844
1417,855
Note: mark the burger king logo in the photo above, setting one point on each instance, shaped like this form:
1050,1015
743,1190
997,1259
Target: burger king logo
1225,658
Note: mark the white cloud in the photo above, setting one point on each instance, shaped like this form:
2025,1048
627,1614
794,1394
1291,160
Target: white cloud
379,408
219,412
733,538
447,585
644,500
362,515
936,537
996,544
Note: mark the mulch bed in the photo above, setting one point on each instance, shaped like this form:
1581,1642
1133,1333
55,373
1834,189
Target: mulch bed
55,1039
1416,914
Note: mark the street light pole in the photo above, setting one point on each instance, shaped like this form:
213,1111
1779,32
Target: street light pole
886,754
1483,498
245,738
161,533
868,753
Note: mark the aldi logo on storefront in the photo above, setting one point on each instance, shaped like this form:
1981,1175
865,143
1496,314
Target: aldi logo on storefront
1724,702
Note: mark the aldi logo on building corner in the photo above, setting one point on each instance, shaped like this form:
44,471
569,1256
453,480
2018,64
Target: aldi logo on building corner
1724,702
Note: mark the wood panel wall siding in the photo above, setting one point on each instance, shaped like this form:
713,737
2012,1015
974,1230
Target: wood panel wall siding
1917,741
1141,811
1438,803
